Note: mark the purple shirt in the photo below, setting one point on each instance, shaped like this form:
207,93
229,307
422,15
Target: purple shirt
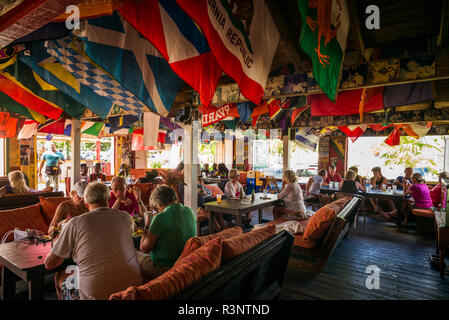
132,209
421,195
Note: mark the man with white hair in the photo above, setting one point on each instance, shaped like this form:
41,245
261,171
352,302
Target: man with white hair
100,243
70,208
53,158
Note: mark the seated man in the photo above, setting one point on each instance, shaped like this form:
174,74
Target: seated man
166,234
333,175
124,200
70,208
84,175
100,243
97,175
401,181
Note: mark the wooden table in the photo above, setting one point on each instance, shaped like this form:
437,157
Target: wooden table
211,180
237,208
25,261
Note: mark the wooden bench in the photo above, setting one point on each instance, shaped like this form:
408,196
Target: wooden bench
316,257
12,201
255,275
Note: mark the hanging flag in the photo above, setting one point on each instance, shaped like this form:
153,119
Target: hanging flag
405,94
347,103
151,128
297,112
307,138
96,79
379,127
179,40
353,132
68,128
50,70
89,9
324,31
255,120
243,40
213,114
245,110
8,125
28,130
282,123
13,106
132,60
259,110
52,126
92,128
23,74
394,138
26,98
416,130
273,108
122,123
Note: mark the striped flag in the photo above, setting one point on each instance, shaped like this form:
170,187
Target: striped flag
179,40
132,60
92,77
52,126
92,128
13,106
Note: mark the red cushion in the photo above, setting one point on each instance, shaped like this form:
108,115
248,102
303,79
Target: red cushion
49,206
214,189
22,218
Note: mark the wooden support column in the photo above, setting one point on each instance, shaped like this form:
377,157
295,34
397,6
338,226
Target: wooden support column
285,152
191,140
76,153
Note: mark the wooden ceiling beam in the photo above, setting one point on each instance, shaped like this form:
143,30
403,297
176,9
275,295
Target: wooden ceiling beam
284,31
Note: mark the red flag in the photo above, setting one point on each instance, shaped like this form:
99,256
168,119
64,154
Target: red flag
259,110
8,125
379,127
213,114
394,138
352,133
297,112
348,103
255,120
273,108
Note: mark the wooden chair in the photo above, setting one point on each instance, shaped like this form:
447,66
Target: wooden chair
269,181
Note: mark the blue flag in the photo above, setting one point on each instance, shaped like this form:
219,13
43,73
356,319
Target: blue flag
114,45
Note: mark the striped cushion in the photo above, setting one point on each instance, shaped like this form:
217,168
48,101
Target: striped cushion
238,245
187,271
22,218
195,242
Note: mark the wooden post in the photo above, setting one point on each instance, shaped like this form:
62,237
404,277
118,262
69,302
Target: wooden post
76,153
285,152
191,140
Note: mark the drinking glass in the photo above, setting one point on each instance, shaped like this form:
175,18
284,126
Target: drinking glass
218,198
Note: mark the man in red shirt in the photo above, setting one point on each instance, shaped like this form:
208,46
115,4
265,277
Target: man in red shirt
332,175
124,200
97,174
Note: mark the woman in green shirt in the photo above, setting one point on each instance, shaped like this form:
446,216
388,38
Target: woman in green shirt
166,235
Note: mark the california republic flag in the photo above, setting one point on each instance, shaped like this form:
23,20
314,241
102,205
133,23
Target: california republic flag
242,37
325,26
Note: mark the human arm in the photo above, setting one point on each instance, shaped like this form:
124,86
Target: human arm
63,247
138,202
309,185
52,261
41,166
59,216
285,191
148,241
360,187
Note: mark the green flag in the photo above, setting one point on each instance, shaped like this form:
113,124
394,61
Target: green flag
92,128
33,82
325,26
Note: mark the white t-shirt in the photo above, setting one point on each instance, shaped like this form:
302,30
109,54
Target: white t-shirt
293,197
100,243
316,186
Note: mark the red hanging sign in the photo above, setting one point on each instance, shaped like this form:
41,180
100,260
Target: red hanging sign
213,114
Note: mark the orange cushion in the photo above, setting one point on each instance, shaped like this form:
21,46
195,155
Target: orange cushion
195,242
214,189
339,204
22,218
237,245
319,223
49,206
190,269
303,243
423,213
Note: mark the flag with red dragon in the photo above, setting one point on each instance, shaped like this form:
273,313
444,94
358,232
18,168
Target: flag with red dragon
325,26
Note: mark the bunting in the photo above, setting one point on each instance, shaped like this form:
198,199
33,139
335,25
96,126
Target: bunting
297,112
28,130
353,132
8,125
